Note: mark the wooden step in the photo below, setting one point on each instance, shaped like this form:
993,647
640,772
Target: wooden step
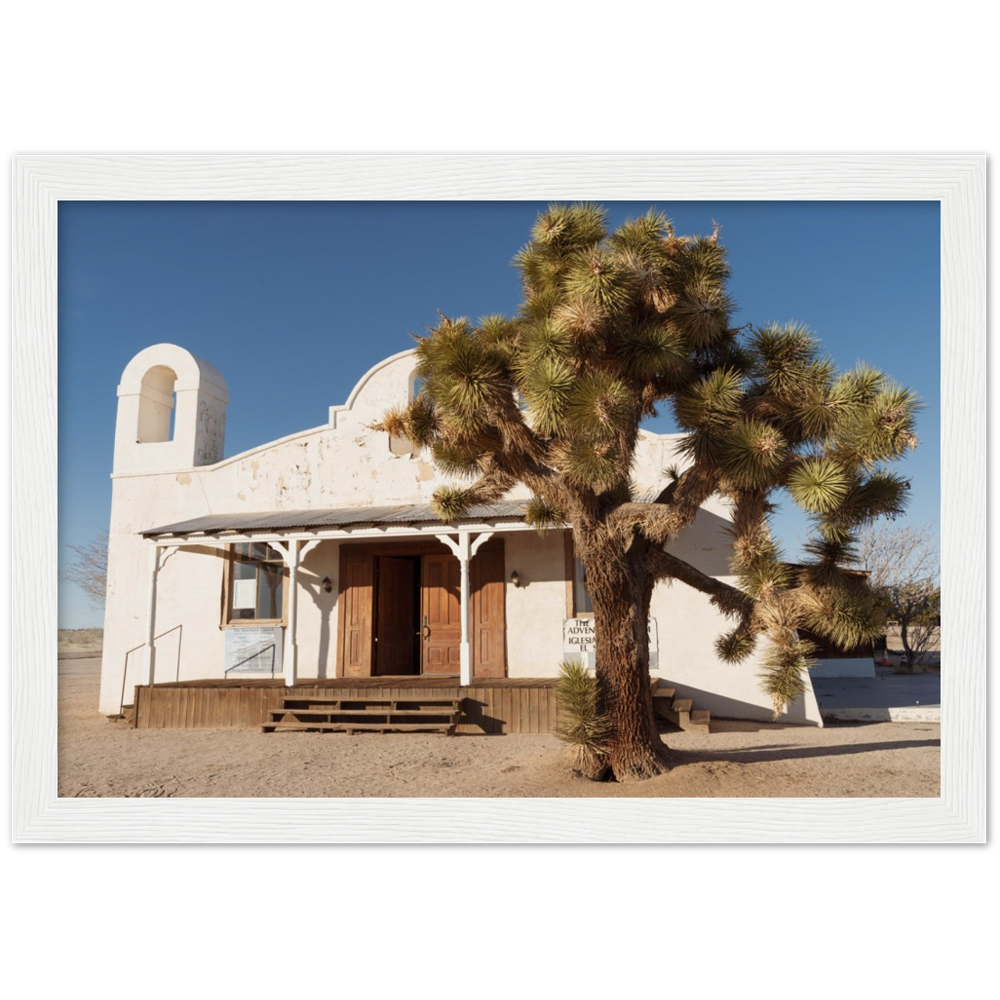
298,716
369,701
409,705
664,692
412,714
679,712
444,710
365,705
353,727
699,721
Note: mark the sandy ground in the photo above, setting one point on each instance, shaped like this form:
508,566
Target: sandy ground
80,641
99,757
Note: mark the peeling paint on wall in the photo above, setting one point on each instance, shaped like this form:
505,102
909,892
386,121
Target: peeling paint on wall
211,433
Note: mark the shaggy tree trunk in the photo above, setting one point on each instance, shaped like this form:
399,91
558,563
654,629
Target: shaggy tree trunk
621,602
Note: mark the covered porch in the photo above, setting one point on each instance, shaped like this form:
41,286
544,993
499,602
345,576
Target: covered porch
492,707
412,598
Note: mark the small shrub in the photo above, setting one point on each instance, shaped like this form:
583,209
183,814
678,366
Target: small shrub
585,730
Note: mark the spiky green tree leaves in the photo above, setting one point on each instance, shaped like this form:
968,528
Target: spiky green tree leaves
818,485
614,326
581,724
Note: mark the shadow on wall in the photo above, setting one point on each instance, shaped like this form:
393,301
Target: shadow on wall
706,544
169,644
733,708
537,558
313,569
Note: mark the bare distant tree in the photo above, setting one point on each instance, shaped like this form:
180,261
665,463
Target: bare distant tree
904,568
89,569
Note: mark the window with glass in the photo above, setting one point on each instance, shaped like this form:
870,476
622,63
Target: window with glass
578,602
582,604
256,578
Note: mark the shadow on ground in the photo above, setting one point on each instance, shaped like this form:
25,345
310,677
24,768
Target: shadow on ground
780,752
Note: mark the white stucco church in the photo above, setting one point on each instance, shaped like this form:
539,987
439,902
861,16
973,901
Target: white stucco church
317,556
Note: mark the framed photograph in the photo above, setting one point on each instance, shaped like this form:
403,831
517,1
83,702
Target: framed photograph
40,183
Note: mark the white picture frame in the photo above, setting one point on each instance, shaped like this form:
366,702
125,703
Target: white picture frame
958,182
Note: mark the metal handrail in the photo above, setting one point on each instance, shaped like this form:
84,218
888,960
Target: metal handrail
121,706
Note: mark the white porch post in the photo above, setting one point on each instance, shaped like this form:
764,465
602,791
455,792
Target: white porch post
291,640
154,566
292,555
464,552
464,649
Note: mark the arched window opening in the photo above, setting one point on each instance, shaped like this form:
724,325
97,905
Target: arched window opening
157,405
403,447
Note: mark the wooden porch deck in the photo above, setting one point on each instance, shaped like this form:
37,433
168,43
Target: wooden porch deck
494,706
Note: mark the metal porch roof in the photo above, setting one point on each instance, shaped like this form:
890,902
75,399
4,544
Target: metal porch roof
336,517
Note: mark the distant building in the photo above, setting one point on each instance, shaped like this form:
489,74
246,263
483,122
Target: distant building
832,661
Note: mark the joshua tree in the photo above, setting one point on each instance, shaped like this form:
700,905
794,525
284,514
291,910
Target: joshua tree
612,326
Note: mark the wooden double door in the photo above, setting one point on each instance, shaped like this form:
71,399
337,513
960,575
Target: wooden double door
400,611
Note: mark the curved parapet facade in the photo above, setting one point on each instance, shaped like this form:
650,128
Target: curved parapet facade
389,383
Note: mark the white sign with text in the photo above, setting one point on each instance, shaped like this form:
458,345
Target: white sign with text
580,642
253,650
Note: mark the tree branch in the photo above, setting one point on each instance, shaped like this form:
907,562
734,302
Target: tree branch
491,486
730,600
660,522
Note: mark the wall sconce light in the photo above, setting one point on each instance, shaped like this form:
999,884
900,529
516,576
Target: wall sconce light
327,586
515,578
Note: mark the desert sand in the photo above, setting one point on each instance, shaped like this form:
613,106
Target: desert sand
99,757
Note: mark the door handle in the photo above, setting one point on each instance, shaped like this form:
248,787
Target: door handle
427,632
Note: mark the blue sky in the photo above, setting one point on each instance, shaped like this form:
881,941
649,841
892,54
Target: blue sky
294,301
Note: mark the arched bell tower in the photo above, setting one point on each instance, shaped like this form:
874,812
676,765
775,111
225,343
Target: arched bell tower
171,412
